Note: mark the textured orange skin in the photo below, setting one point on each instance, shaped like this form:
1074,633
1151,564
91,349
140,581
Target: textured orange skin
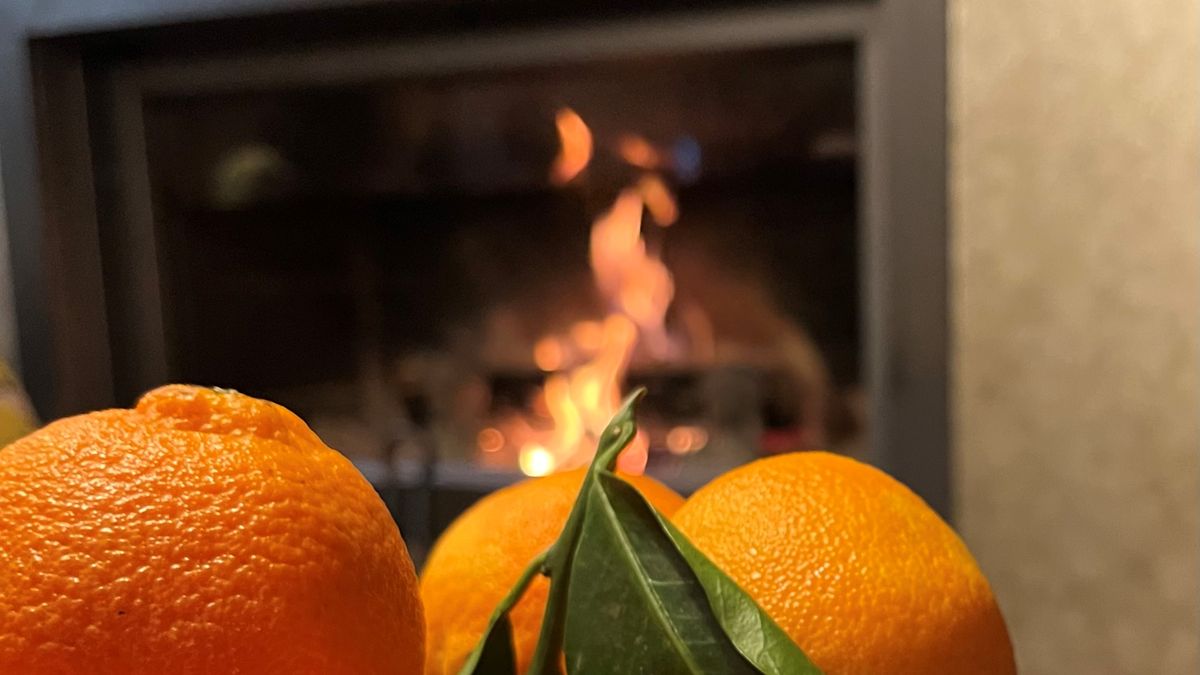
857,569
202,532
479,557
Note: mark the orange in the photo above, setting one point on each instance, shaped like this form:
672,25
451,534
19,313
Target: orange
480,556
857,569
201,532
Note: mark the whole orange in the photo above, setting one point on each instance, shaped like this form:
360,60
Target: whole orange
857,569
480,556
201,532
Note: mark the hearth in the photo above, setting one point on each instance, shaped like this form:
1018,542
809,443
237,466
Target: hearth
452,250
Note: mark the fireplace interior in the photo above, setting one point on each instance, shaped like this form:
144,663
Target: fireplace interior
454,278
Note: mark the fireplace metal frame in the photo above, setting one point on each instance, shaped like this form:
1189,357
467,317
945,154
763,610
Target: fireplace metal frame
60,201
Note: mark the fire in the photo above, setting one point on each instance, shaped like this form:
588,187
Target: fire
575,143
582,401
588,336
638,152
536,460
616,242
548,354
659,201
636,284
638,289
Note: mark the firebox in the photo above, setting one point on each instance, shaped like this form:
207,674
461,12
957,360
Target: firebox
453,250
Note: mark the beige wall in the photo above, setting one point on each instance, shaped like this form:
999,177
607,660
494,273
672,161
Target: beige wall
1075,177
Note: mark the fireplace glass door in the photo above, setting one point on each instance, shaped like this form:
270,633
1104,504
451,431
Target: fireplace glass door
455,276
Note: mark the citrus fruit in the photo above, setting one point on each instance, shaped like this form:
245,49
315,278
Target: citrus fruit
201,532
479,557
857,569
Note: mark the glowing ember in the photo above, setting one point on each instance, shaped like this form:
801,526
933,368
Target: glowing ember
536,460
548,354
575,141
490,440
686,439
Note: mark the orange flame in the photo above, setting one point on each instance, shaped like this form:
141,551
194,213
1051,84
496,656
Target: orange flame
659,201
638,288
581,402
575,147
633,459
535,460
636,283
617,242
564,410
588,336
638,152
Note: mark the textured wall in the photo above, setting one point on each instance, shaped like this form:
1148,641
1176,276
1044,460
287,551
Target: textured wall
1076,264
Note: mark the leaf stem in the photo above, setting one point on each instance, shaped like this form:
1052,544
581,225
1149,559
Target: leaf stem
536,567
514,594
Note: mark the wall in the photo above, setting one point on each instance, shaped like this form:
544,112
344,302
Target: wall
1075,182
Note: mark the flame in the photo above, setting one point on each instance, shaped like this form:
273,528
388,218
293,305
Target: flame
633,458
659,201
536,460
639,152
581,402
575,147
637,283
564,410
596,385
638,288
616,243
588,336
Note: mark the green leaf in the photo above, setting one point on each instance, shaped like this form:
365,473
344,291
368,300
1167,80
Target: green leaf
630,594
752,631
560,558
494,653
636,606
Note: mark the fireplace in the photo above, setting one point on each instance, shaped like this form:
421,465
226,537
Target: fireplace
452,250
